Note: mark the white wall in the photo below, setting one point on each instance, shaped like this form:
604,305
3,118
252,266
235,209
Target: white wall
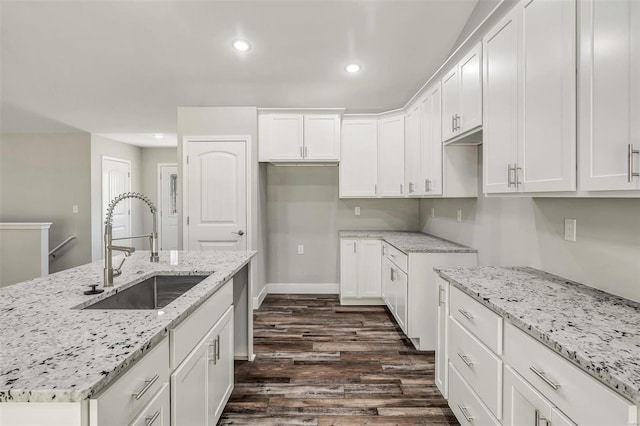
151,157
303,208
526,231
101,146
42,176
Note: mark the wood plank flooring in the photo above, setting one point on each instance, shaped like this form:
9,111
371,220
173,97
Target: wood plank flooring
319,363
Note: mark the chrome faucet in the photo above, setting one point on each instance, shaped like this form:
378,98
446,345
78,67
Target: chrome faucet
109,270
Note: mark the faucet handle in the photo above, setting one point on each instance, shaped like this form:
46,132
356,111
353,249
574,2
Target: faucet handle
94,290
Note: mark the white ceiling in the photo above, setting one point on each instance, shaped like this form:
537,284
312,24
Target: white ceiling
124,66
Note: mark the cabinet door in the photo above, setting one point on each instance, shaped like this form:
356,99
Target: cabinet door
348,268
500,129
220,378
547,124
450,103
322,137
431,143
189,386
523,404
391,156
369,268
470,90
388,286
359,158
400,290
609,93
412,151
442,297
283,135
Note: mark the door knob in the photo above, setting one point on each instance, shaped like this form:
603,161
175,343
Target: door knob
240,232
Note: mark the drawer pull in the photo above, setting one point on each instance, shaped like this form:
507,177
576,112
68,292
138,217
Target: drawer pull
148,421
465,314
465,413
544,378
465,359
211,355
147,386
537,419
218,347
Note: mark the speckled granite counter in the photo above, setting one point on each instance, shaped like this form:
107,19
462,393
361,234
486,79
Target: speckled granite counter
597,331
53,352
411,242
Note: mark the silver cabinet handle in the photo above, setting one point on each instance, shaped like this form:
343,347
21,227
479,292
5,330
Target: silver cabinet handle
465,359
630,172
148,421
453,123
465,314
211,355
457,121
401,189
305,151
301,152
147,386
517,177
537,419
218,347
410,187
510,169
466,414
440,290
543,376
240,232
384,250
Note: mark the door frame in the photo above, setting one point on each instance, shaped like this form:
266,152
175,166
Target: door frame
159,195
246,139
103,207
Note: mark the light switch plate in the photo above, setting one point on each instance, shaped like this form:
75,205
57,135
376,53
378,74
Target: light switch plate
459,215
570,230
300,249
357,211
433,212
75,208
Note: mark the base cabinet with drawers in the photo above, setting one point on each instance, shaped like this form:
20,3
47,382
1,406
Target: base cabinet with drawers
493,373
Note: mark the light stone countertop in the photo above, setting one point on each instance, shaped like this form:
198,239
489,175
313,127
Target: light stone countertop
51,351
597,331
411,242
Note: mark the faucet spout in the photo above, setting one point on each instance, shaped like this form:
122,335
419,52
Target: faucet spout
108,236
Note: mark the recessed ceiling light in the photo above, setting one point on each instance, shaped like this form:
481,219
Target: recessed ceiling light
352,68
241,45
158,135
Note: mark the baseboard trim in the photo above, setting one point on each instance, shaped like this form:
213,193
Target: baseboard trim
257,301
295,288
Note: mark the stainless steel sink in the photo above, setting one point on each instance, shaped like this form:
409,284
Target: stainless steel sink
153,293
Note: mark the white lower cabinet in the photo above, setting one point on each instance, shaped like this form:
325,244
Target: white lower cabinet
202,384
442,296
465,404
360,271
156,413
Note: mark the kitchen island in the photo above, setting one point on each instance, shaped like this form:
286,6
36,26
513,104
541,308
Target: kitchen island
54,353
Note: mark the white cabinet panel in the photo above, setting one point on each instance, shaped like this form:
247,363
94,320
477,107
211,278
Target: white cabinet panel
369,268
465,404
281,137
321,137
470,115
609,94
189,387
157,411
221,373
412,151
348,268
523,405
442,296
359,158
450,103
391,156
400,283
430,182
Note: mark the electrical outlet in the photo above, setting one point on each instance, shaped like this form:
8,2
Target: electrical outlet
75,208
433,212
357,211
570,226
459,215
300,249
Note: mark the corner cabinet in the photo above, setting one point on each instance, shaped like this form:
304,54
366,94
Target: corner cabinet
359,158
298,137
529,137
360,271
609,95
462,96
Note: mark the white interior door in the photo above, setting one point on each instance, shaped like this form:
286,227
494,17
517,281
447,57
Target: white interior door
168,206
116,179
217,195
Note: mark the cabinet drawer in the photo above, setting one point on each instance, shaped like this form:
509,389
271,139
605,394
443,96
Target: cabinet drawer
189,332
483,323
478,365
465,404
396,256
127,396
581,397
156,413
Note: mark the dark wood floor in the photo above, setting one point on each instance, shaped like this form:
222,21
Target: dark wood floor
319,363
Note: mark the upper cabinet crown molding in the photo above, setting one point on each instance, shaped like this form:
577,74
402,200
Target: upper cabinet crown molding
298,138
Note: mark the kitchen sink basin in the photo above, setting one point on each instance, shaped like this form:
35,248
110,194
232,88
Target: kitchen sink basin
153,293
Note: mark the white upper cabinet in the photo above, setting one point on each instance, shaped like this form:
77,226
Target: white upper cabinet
412,151
430,182
609,95
529,73
359,158
391,156
299,137
462,96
